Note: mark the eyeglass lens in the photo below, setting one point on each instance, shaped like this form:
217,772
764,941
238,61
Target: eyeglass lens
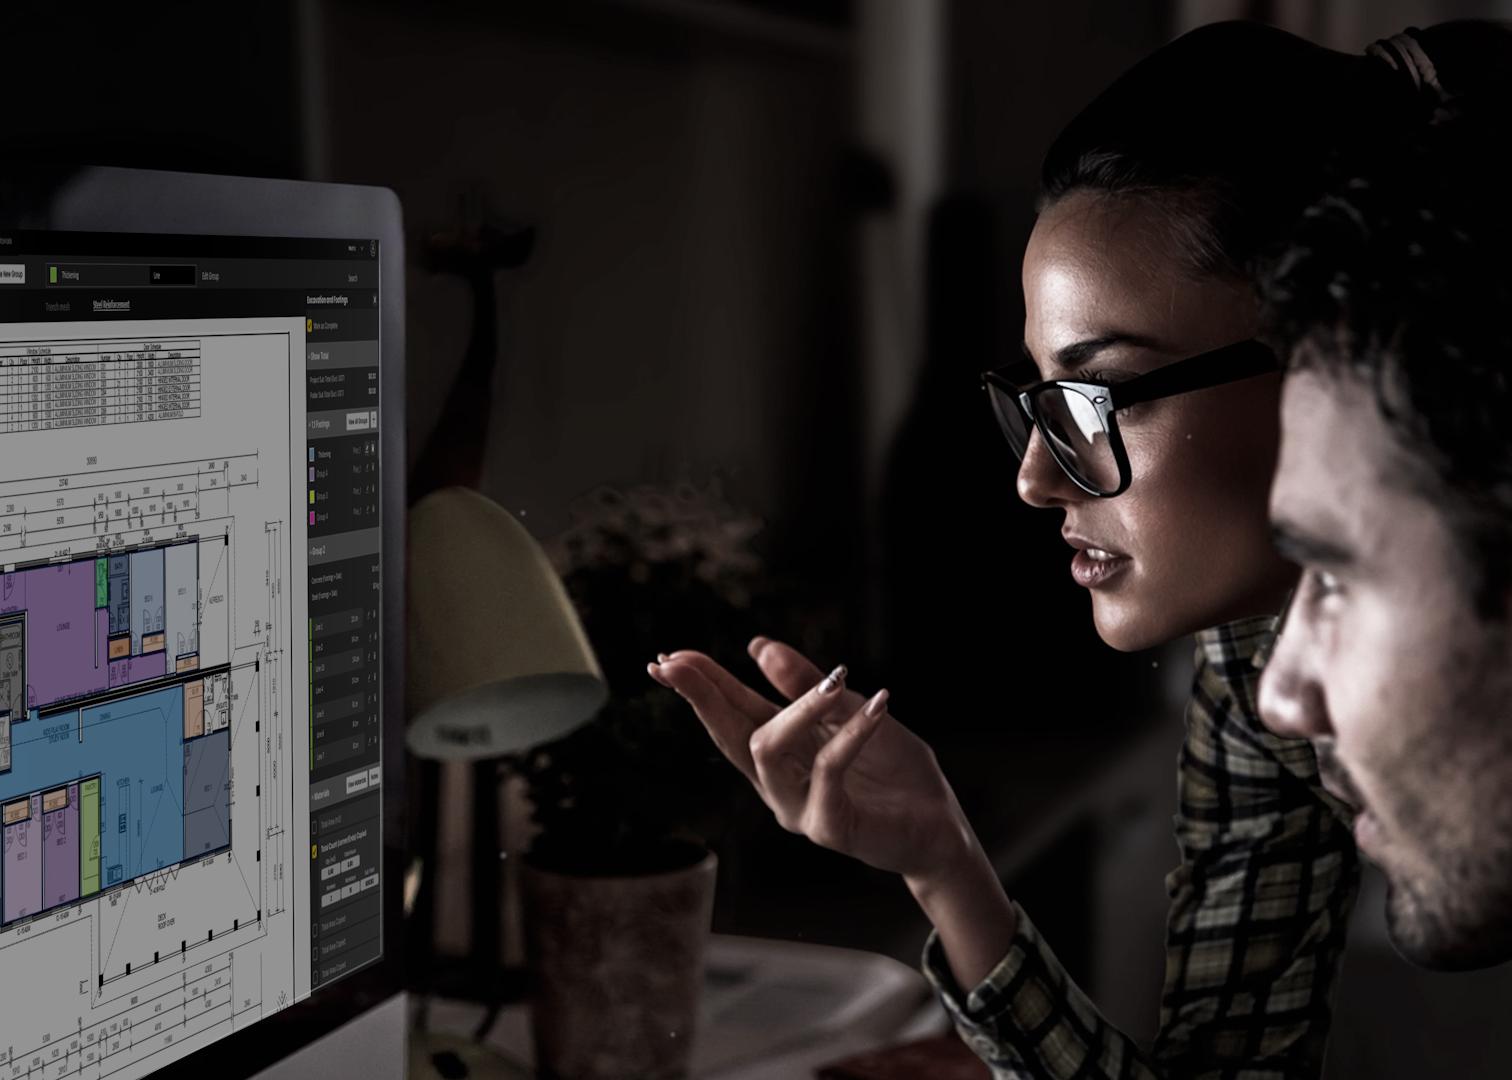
1077,437
1073,431
1010,419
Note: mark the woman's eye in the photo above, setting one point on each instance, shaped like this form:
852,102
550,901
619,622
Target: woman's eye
1103,376
1111,377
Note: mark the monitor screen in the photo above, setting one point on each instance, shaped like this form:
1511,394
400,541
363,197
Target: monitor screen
192,761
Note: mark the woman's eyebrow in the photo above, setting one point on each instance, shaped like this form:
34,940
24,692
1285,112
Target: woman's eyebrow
1073,356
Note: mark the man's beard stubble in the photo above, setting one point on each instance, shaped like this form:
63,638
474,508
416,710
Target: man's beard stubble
1457,914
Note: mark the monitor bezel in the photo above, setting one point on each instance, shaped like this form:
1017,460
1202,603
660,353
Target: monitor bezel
117,200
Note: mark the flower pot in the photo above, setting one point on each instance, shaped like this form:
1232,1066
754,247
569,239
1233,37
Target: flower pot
616,965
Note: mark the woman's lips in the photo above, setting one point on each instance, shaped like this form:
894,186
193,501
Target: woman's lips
1093,567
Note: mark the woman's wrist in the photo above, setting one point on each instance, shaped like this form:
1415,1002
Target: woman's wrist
965,873
959,863
964,886
975,919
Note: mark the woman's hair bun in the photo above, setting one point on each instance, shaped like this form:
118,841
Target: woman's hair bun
1404,54
1468,57
1232,126
1451,64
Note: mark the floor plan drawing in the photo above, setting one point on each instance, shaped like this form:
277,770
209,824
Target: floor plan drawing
145,746
121,721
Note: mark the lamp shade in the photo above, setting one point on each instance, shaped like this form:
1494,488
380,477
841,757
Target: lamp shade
497,660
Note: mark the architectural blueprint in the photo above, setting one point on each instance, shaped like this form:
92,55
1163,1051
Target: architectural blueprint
152,495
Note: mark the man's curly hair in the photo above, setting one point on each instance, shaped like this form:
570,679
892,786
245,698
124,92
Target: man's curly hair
1401,277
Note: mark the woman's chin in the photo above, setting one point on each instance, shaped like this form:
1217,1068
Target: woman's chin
1129,627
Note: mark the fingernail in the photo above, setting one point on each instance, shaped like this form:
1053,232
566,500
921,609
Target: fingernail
875,706
831,682
661,658
757,644
655,672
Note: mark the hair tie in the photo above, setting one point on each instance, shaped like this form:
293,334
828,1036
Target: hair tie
1402,52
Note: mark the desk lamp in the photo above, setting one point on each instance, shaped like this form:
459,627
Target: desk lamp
497,663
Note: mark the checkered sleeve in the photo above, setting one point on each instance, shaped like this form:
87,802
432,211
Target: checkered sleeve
1259,908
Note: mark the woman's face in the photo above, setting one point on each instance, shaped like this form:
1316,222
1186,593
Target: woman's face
1107,294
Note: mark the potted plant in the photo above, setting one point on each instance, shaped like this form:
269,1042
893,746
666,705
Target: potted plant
618,880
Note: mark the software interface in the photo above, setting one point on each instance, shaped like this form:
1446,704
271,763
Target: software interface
190,774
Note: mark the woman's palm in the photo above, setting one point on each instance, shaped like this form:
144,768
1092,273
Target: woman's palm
891,807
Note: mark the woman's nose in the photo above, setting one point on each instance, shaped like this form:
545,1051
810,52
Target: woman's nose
1041,480
1291,700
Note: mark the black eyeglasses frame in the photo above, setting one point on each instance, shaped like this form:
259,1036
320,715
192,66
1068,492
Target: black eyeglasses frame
1216,367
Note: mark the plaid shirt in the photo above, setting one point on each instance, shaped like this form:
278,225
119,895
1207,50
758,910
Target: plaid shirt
1259,908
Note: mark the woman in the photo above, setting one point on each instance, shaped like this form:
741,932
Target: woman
1158,202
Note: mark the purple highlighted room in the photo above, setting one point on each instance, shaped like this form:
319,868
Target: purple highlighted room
101,623
100,787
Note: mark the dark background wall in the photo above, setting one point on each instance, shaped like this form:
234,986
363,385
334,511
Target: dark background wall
214,88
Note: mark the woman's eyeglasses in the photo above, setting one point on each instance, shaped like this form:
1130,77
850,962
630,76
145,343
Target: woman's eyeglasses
1076,418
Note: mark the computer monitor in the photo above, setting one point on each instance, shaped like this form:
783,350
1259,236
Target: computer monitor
201,558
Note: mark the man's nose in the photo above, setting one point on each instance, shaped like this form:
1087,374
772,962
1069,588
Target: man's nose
1041,480
1291,699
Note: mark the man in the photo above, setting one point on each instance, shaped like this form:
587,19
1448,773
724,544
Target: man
1394,493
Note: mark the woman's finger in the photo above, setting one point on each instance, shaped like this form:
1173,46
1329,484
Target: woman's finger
783,748
787,669
756,707
825,815
728,726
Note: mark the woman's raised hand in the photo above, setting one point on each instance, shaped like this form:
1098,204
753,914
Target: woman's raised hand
831,764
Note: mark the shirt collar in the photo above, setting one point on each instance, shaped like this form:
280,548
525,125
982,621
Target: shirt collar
1238,642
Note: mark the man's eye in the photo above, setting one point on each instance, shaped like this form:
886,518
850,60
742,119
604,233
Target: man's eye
1324,584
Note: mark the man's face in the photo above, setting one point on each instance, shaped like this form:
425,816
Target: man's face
1384,665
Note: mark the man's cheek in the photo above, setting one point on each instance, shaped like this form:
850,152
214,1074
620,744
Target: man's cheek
1358,698
1381,714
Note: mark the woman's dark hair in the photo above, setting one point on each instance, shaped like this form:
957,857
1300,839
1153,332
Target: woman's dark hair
1230,128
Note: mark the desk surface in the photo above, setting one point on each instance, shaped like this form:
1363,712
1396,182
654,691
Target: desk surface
773,1010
